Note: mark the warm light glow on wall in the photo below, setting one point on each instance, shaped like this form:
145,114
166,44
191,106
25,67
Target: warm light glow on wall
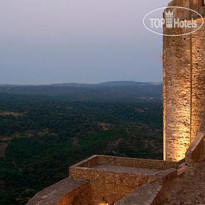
183,141
183,92
103,202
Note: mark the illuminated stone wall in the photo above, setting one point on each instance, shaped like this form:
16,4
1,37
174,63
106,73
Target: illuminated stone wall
184,86
198,82
122,178
66,192
113,186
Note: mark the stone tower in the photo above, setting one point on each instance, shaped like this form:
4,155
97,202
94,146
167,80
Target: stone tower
184,85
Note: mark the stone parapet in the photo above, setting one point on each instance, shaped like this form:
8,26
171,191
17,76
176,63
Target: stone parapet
113,178
196,151
68,191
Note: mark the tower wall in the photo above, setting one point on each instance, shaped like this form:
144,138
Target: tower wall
198,82
184,86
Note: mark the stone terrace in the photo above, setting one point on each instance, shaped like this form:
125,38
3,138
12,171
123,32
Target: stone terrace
104,176
115,177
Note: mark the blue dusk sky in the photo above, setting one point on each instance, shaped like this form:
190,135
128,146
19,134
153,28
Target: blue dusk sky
78,41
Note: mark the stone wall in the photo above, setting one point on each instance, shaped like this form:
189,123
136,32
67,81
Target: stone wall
198,82
136,162
79,196
145,195
104,176
184,85
196,151
114,185
66,192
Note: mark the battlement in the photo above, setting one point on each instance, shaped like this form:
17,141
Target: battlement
112,178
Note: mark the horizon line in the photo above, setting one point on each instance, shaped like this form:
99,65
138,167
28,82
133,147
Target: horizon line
79,83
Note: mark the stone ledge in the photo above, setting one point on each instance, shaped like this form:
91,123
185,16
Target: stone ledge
164,176
106,177
196,151
145,195
151,193
55,193
125,161
113,178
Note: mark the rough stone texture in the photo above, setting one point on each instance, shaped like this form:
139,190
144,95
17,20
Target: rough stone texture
184,83
196,151
151,193
116,177
145,195
189,189
104,176
128,170
198,82
68,191
186,189
112,186
126,162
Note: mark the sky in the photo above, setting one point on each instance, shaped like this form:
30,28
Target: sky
78,41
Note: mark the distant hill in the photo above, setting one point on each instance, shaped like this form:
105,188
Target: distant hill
117,90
